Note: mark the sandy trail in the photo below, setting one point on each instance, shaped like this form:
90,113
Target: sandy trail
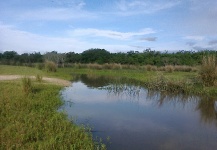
50,80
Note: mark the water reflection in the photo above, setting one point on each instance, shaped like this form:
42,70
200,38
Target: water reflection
207,106
136,118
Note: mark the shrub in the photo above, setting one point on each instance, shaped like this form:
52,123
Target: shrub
27,85
208,70
50,66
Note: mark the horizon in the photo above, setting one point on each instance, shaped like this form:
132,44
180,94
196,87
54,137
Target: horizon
28,26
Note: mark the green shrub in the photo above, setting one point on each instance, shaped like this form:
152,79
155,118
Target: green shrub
50,66
208,70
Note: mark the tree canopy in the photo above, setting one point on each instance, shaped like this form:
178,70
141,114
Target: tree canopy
102,56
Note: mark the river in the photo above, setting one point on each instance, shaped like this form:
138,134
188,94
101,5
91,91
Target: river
127,116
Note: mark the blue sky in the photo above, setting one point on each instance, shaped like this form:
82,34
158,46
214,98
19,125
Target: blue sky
115,25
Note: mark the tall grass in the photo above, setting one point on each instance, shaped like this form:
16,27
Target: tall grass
208,72
27,85
50,66
32,122
38,78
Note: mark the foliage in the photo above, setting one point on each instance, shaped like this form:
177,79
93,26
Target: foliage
50,66
102,56
208,72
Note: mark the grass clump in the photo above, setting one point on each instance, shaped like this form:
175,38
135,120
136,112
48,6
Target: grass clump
50,66
38,78
32,122
27,85
208,71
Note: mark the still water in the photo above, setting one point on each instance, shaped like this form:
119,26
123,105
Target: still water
133,118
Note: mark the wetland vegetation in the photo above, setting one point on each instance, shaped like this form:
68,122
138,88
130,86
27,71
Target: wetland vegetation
27,112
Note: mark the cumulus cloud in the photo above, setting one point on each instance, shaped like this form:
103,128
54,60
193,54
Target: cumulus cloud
110,33
151,39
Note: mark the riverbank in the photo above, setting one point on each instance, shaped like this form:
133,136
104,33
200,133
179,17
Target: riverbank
172,82
32,121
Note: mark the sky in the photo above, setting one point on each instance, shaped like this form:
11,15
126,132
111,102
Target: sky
115,25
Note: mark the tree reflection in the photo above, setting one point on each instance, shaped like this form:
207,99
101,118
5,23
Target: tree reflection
123,89
207,106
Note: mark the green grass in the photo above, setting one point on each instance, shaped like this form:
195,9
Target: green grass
32,121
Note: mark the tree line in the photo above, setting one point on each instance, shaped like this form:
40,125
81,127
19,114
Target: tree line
102,56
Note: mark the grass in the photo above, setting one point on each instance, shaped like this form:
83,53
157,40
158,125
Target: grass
27,85
62,73
208,72
32,121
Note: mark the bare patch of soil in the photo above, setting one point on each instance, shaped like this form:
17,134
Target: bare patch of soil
46,79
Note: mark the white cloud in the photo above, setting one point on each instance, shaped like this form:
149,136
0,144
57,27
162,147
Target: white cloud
195,38
22,41
48,14
126,7
109,33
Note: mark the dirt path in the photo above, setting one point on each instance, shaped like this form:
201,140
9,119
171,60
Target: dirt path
50,80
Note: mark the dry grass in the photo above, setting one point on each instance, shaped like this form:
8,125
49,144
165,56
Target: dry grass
208,71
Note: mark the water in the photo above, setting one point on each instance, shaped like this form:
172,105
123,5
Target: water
132,118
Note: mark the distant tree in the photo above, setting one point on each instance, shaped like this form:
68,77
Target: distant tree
10,57
95,56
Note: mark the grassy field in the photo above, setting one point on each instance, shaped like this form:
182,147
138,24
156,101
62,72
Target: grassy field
31,121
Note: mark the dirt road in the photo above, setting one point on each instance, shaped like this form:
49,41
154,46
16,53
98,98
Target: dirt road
50,80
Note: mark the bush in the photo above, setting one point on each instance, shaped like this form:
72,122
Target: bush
50,66
27,85
208,70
